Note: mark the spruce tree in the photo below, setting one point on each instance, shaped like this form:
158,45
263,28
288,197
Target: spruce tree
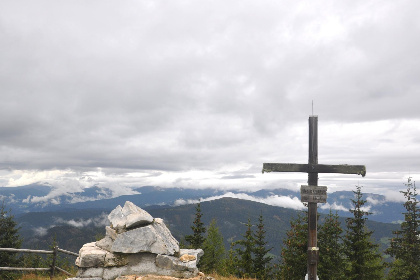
295,247
197,238
405,246
364,261
331,257
9,238
214,250
245,253
262,267
231,262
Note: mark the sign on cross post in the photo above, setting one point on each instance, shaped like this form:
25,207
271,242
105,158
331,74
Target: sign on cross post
313,194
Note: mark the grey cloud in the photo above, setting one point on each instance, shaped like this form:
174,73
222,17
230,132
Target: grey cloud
174,87
238,177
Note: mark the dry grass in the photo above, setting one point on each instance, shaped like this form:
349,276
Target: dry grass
218,277
32,276
63,277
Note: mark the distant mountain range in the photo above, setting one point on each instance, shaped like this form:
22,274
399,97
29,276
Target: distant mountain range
44,198
72,228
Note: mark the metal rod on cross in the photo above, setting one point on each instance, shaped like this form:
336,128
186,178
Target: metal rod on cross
313,194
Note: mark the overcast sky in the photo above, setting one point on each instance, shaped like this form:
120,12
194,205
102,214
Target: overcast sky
201,93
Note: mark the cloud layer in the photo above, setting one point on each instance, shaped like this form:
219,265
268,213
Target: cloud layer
198,94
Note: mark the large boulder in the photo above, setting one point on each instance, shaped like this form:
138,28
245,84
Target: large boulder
154,238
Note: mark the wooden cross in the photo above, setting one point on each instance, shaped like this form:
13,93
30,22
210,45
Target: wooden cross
313,168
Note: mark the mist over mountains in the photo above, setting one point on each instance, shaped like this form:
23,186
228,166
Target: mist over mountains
46,198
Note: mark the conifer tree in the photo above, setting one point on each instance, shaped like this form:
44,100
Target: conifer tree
9,238
295,247
405,246
231,262
331,257
262,268
197,238
214,250
245,253
364,261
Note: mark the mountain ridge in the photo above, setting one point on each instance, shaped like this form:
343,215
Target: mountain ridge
44,198
231,215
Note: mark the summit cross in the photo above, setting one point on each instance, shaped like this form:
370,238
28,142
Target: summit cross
313,193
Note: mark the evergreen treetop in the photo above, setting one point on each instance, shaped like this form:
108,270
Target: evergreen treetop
295,248
245,253
364,261
262,267
9,238
214,250
197,238
331,257
405,246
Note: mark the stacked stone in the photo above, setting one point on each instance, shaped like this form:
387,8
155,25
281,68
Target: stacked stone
135,244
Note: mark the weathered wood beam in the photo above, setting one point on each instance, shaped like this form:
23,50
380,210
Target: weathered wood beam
24,269
315,168
67,252
25,251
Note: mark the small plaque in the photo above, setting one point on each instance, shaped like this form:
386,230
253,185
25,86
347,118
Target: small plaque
316,194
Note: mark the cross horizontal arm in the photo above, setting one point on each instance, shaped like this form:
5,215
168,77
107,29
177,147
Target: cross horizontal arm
315,168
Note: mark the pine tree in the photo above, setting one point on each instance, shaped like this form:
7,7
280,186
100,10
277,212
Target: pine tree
364,261
262,267
331,257
197,238
405,246
230,263
295,247
9,238
214,250
245,253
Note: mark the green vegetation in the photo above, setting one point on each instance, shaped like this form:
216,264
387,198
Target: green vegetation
245,251
331,256
213,259
9,238
405,246
197,238
363,259
262,259
293,264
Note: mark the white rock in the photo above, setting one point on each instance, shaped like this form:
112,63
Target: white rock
129,217
111,233
117,218
105,243
154,238
91,256
112,260
175,264
91,272
135,216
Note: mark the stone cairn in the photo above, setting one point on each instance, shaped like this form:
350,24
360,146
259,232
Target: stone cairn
136,247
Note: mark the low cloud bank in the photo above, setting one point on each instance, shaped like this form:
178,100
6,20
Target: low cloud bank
98,221
62,195
334,206
273,200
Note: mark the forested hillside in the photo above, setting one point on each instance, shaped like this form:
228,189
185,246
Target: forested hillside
72,229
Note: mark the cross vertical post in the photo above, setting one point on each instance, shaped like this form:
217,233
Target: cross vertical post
312,206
